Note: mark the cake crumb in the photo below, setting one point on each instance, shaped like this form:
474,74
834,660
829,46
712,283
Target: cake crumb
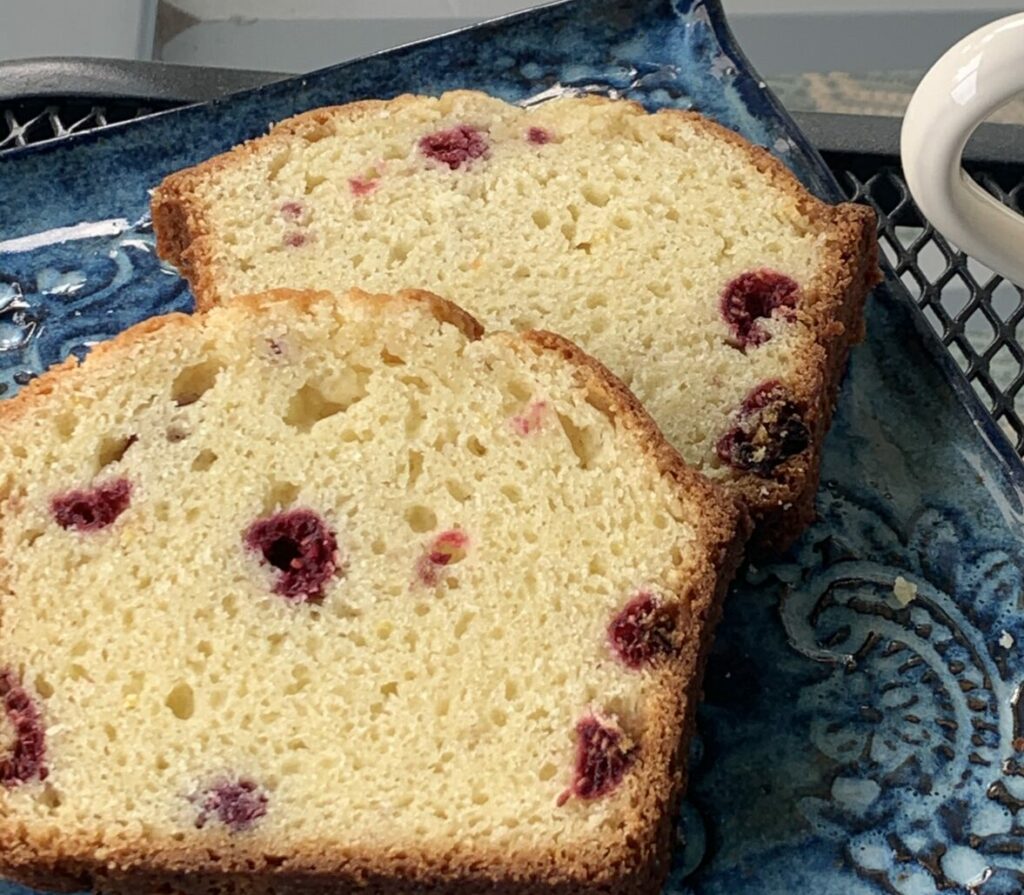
1006,640
904,591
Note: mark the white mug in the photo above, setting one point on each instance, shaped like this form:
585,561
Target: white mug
972,80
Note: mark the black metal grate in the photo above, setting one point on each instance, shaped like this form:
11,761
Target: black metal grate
32,121
975,312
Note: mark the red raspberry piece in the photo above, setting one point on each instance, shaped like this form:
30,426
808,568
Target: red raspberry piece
753,297
93,508
295,239
531,420
603,755
448,547
237,804
454,146
644,629
539,135
301,547
362,186
26,758
292,211
769,429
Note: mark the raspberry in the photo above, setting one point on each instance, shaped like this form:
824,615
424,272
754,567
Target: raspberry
448,547
603,755
94,508
292,211
295,239
769,430
237,804
452,147
753,297
301,547
26,758
531,420
539,135
362,186
643,629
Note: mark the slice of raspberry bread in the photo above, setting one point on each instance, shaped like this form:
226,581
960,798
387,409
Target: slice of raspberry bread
691,263
317,593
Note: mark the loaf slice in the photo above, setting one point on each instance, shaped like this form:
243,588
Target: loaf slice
691,263
324,593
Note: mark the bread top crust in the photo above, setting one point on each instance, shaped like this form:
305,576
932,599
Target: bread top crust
42,854
829,315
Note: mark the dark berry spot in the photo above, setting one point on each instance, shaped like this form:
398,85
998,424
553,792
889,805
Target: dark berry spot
301,547
447,548
24,757
454,146
93,508
644,629
769,429
603,755
362,186
531,419
539,135
292,211
295,239
237,804
753,297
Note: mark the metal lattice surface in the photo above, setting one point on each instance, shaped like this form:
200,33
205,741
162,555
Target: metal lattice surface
975,312
34,121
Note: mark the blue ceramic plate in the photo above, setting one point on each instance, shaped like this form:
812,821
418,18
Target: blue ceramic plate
851,742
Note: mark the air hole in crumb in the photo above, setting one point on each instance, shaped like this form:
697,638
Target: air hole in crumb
113,449
65,424
474,446
204,460
176,434
313,181
399,252
512,493
520,391
194,382
595,195
415,467
50,797
458,490
181,701
462,625
280,495
379,547
547,771
584,442
542,219
421,518
308,406
390,359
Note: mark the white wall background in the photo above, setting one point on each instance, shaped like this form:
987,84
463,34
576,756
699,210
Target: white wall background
214,10
781,36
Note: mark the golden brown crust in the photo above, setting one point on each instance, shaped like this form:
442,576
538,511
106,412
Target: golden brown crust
636,861
832,311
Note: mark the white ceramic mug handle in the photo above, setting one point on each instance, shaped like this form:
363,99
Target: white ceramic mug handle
959,92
